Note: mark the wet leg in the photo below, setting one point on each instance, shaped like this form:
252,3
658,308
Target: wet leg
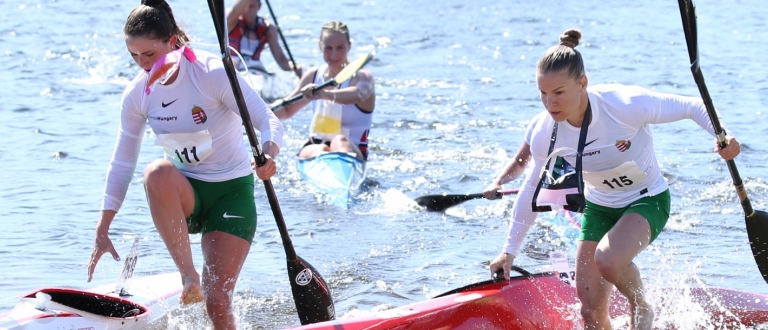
171,200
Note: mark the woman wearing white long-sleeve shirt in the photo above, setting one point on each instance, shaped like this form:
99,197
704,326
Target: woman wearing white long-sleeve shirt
205,183
627,199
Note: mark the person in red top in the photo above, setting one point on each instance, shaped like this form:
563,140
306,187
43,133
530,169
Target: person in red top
249,33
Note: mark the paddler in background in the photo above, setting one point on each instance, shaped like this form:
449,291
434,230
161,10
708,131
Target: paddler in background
342,114
625,197
250,33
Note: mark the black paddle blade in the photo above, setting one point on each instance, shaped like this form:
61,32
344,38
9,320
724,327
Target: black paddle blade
438,203
757,230
311,294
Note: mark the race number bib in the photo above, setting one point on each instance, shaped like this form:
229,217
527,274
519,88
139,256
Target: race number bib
623,177
186,149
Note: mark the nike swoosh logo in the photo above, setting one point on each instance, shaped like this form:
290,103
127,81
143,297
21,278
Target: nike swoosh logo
169,103
227,216
590,142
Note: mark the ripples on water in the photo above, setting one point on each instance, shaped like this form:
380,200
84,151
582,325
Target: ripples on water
455,84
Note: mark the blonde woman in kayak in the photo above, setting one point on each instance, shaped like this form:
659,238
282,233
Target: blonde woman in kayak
627,200
205,183
353,101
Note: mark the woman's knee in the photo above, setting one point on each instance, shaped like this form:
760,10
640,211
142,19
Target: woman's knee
610,266
339,139
158,169
159,173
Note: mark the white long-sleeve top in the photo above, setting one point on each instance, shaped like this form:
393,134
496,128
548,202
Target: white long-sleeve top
618,135
200,105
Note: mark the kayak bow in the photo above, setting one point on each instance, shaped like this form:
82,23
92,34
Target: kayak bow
337,175
544,301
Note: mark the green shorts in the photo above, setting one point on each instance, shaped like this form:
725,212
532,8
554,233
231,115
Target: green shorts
598,220
226,206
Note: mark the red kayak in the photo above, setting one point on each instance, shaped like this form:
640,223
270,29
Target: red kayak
544,301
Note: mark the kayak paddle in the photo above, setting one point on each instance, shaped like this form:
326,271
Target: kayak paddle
442,202
349,71
280,32
757,221
310,292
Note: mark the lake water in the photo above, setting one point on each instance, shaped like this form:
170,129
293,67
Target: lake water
455,86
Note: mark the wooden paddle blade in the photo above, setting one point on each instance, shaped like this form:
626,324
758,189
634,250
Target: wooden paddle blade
352,68
441,202
349,71
310,292
757,230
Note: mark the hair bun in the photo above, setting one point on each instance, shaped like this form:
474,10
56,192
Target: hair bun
152,3
570,38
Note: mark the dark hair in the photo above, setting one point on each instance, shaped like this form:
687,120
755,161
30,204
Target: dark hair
335,26
563,56
154,19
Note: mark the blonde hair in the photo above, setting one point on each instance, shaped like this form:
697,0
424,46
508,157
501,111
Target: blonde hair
335,26
563,56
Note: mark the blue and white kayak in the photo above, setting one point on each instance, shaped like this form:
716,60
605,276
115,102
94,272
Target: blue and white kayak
337,175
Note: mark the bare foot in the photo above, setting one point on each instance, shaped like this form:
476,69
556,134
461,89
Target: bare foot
191,294
642,318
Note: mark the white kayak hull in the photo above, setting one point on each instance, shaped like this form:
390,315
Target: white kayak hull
150,299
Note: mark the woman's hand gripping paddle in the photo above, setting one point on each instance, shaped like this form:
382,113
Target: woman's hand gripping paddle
345,74
310,292
442,202
757,221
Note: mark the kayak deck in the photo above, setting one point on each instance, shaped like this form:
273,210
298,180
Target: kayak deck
338,175
150,299
543,301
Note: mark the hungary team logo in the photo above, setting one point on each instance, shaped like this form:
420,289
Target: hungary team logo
623,145
199,115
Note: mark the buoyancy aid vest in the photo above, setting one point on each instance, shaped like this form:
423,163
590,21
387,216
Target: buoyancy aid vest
237,34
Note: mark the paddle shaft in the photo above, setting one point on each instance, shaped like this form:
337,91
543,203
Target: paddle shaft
299,96
218,19
280,32
480,195
689,26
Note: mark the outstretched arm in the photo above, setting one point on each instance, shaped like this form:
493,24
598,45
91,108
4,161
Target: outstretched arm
277,51
289,110
514,168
